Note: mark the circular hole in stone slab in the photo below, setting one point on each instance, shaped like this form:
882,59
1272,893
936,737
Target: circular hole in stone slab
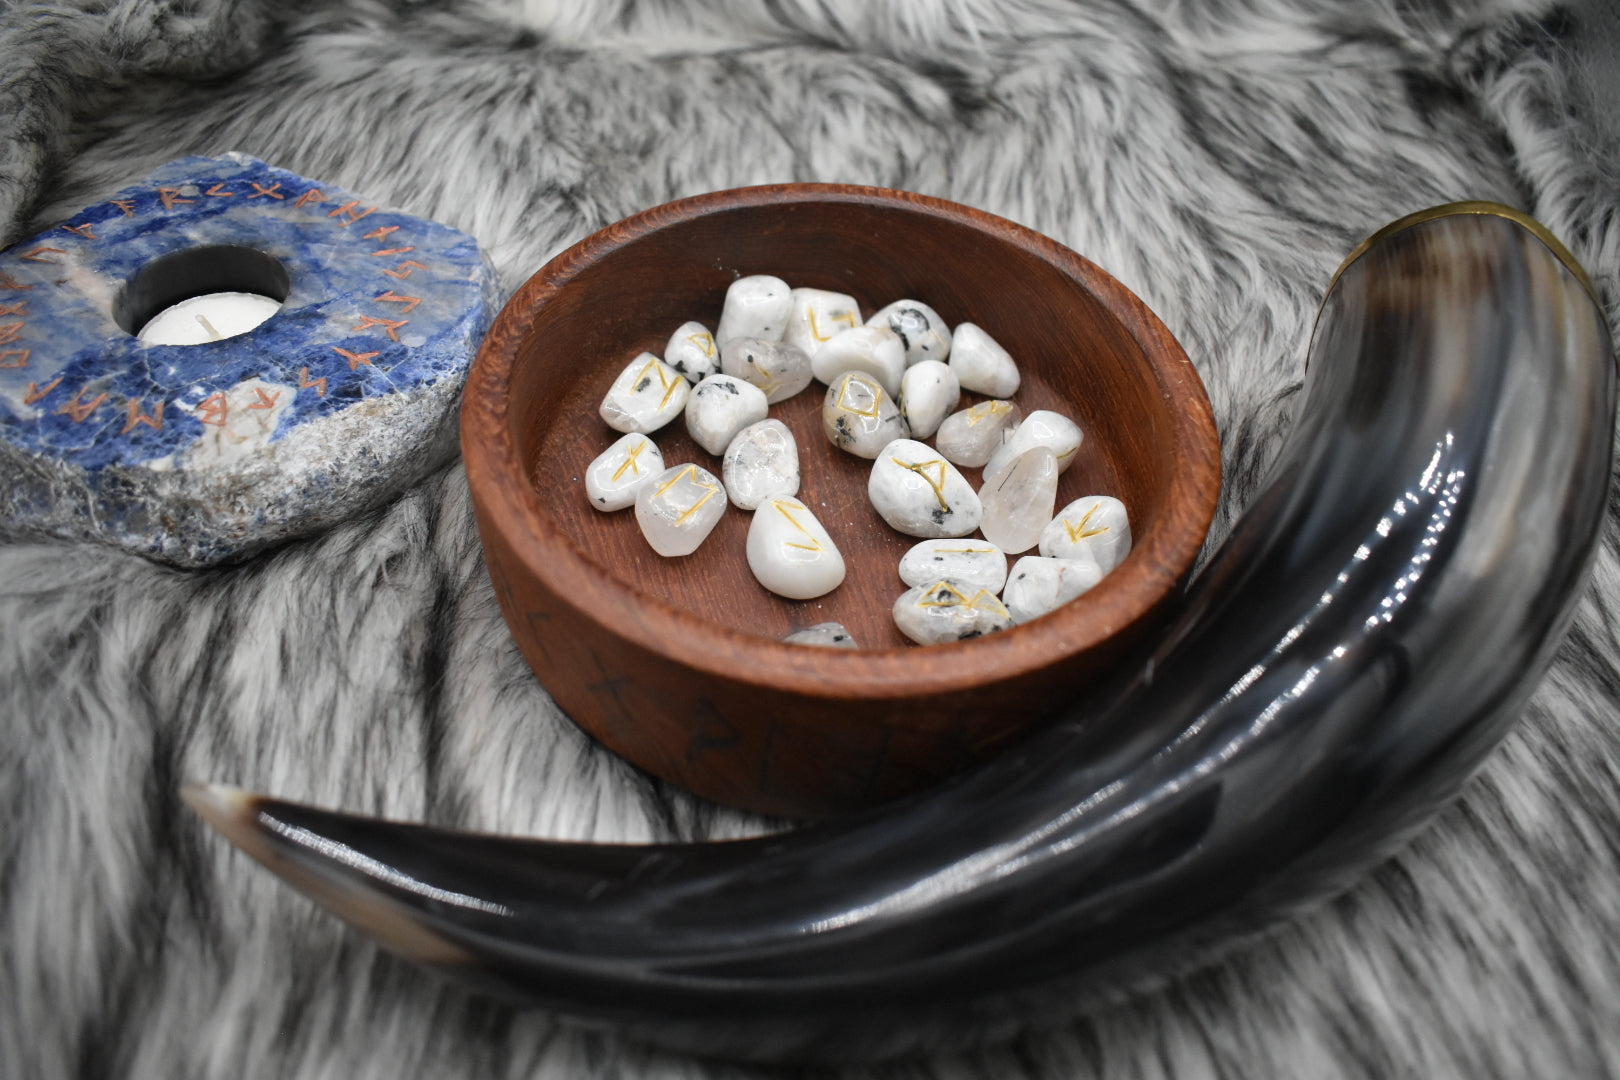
201,295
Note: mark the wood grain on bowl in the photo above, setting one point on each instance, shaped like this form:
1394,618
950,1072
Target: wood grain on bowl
677,664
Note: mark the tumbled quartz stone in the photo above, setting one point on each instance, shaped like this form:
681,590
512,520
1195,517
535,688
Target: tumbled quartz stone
195,455
920,493
924,333
981,364
1042,427
818,316
647,395
976,563
969,437
826,635
790,552
762,461
875,350
692,352
1018,504
928,393
679,509
721,406
1038,585
1093,524
779,369
612,480
755,307
943,611
859,416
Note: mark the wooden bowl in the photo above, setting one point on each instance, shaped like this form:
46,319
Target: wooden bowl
677,664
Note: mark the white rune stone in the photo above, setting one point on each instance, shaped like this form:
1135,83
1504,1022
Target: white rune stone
976,563
920,493
1094,524
817,316
763,460
944,611
982,365
1042,427
755,307
790,553
828,635
679,509
721,406
1018,505
924,333
858,415
876,350
647,395
692,352
612,480
1039,585
928,393
969,437
779,369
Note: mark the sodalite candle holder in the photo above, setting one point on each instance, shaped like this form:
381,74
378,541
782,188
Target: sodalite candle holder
199,454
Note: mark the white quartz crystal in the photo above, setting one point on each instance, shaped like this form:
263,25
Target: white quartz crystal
779,369
928,393
925,334
828,635
858,415
920,493
679,509
1039,585
969,437
1042,427
692,352
976,563
817,316
721,406
647,395
1092,524
944,611
612,480
755,307
982,365
876,350
763,460
789,551
1018,504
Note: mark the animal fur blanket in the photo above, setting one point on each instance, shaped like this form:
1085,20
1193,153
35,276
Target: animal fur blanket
1219,156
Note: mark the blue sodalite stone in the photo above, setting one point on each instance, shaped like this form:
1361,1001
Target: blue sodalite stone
198,454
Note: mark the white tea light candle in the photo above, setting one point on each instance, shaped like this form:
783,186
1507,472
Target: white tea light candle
210,317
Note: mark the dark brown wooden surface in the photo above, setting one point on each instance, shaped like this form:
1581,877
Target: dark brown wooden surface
676,663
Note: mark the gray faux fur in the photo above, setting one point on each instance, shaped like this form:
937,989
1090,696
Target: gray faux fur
1219,156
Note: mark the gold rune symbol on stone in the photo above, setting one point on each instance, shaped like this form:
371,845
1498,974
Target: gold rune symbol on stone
656,366
630,460
872,411
987,409
704,342
944,594
932,471
785,509
1079,532
846,317
689,473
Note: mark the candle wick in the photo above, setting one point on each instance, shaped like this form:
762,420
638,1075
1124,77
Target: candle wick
213,335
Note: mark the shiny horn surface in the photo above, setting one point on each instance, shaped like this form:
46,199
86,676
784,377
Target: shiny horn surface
1365,636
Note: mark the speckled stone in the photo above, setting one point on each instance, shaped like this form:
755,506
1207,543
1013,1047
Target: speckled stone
968,438
199,454
1094,525
976,563
763,460
945,611
721,406
920,493
859,416
1038,586
827,635
779,369
619,472
692,352
922,332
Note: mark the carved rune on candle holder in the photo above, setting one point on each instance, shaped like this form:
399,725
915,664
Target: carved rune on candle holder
197,454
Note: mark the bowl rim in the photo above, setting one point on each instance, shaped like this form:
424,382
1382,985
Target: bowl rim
1159,561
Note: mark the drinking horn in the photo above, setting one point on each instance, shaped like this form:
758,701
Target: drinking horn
1363,638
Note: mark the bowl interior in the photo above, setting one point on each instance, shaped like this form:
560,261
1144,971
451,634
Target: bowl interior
1084,346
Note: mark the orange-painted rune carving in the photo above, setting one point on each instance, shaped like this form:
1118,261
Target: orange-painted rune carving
391,326
403,270
348,208
86,230
410,302
266,401
38,254
305,382
218,194
380,232
10,332
9,282
80,409
15,358
36,394
215,410
126,205
312,195
260,191
137,417
354,359
19,308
